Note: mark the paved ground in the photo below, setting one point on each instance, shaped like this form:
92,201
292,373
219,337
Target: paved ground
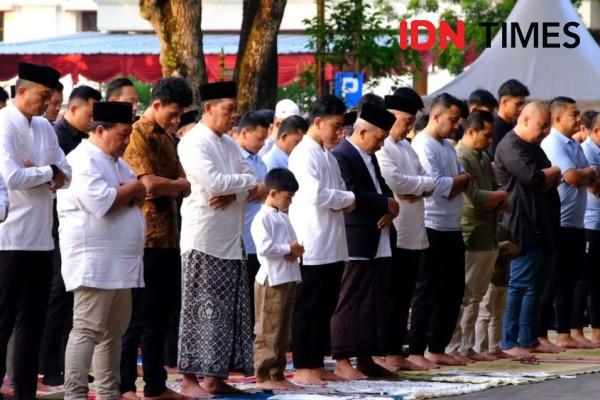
582,387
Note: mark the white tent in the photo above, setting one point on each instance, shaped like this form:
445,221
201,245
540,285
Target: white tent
547,72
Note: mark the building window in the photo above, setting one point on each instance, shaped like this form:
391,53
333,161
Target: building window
89,21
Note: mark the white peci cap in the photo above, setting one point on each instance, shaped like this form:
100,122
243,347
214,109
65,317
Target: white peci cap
285,108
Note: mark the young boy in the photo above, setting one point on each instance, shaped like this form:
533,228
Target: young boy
275,285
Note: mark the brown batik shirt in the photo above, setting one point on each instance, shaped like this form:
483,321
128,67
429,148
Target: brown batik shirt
152,151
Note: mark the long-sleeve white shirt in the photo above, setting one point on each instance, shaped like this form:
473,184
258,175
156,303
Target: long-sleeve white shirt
27,149
273,233
316,212
3,200
214,167
440,161
99,249
403,173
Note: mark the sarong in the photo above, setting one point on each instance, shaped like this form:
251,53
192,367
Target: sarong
215,332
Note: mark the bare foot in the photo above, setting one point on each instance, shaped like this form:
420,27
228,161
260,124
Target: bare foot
397,363
274,385
307,377
129,396
191,388
463,360
344,369
167,395
329,376
565,341
548,343
499,355
368,367
482,357
518,352
218,386
543,348
421,362
585,342
443,359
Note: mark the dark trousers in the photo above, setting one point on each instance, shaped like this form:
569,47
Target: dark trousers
559,281
439,292
59,321
25,279
253,265
171,342
404,269
587,290
151,310
316,299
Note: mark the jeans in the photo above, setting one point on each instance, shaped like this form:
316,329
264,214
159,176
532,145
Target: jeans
521,302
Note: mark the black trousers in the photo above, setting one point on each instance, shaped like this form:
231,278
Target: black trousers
560,278
403,272
171,342
587,290
151,311
253,265
439,292
59,321
25,279
316,299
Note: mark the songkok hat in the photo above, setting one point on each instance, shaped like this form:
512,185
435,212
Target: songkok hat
377,116
218,90
113,112
349,118
402,103
286,107
41,74
411,94
188,117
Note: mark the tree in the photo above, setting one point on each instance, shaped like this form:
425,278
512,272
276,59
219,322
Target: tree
360,36
256,63
177,24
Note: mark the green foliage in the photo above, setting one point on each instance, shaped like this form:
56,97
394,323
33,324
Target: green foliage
143,91
303,92
472,12
360,36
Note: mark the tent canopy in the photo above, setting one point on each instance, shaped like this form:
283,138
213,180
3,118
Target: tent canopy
547,72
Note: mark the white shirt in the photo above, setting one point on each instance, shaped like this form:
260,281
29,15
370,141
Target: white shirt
27,149
383,247
272,233
214,167
3,200
440,161
99,249
316,210
404,174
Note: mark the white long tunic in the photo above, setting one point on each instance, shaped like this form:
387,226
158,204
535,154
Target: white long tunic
404,174
27,149
99,249
3,200
316,212
214,167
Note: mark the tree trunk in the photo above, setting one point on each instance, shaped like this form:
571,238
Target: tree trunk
177,24
256,64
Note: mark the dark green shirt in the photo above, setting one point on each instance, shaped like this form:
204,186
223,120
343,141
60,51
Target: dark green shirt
478,225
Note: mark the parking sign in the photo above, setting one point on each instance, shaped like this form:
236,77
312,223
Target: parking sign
349,86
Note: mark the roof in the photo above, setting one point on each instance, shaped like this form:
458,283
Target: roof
547,72
87,43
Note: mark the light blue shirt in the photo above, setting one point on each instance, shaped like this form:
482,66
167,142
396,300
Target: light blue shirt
275,158
592,211
259,169
441,163
566,154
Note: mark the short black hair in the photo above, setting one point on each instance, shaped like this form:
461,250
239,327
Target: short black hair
477,120
59,87
464,110
370,98
421,122
587,118
512,88
114,87
268,114
3,94
447,101
326,106
281,179
172,89
253,119
85,93
558,104
482,97
292,124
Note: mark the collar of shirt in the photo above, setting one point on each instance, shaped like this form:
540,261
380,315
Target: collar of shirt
365,156
70,129
17,114
149,126
561,137
478,154
94,148
247,155
589,142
